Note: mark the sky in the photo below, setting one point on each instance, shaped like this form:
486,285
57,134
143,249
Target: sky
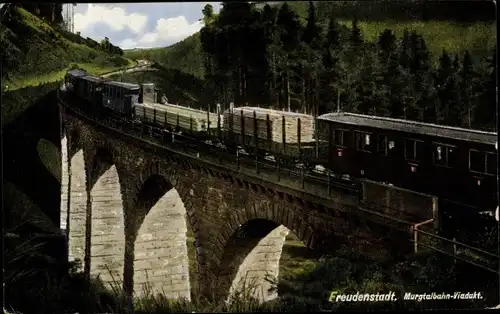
140,25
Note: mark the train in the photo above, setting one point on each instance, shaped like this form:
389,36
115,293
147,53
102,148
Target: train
455,164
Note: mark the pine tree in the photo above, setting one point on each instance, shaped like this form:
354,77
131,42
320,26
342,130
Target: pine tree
386,45
356,37
208,37
447,85
333,34
423,90
330,77
272,51
372,98
486,111
394,82
289,28
311,60
468,88
405,51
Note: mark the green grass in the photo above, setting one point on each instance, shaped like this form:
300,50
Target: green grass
59,75
478,38
295,259
37,52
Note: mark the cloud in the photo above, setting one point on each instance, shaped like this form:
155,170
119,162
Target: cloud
166,32
115,18
140,25
128,44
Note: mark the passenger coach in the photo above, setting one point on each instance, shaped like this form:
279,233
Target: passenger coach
452,163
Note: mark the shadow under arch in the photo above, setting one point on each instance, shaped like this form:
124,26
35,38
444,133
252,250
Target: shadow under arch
105,220
158,249
251,257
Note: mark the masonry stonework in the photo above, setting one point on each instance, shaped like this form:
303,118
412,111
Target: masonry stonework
107,245
239,224
77,208
260,267
64,184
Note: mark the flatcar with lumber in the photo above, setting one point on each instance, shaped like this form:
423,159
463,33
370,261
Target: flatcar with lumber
283,133
177,118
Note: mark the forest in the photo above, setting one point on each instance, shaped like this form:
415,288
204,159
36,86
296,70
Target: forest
267,57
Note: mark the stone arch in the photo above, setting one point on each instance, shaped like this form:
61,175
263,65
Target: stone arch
160,253
161,262
77,197
105,219
253,240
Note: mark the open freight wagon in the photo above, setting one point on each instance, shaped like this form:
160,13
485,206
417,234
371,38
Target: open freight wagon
177,118
288,134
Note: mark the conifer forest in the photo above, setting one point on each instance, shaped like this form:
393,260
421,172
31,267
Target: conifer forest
266,56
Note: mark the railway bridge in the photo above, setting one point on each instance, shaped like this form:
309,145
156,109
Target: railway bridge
127,198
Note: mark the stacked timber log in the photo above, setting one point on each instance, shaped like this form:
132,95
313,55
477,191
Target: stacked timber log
173,115
275,124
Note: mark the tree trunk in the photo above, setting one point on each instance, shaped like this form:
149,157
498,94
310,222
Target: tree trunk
287,92
245,83
52,12
304,97
314,96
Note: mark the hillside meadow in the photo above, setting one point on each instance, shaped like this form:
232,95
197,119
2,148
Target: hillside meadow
36,52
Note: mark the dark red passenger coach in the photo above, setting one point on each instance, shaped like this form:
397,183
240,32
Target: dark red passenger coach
452,163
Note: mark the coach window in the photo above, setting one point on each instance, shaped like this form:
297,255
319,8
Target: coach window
491,163
413,149
386,145
477,161
444,155
339,138
363,141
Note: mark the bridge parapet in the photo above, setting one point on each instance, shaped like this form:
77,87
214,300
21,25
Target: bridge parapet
400,203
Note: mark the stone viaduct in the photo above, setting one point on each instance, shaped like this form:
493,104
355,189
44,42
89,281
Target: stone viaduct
126,204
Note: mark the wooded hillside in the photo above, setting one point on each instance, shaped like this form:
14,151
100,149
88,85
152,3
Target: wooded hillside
428,62
269,57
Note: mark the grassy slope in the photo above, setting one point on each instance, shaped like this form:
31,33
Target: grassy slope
478,38
184,55
42,53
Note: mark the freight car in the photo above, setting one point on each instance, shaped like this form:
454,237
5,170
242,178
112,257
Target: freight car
288,134
454,164
177,118
120,97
